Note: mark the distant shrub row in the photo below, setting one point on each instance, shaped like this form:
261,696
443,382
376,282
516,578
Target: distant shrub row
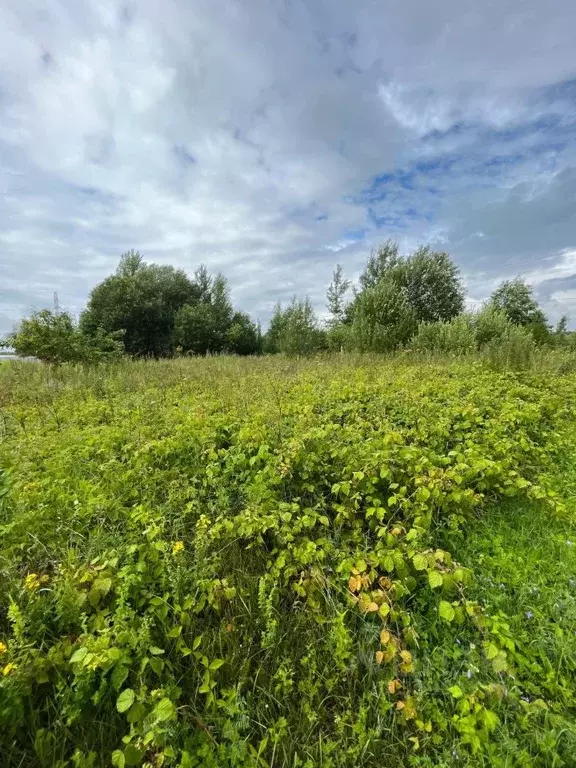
415,301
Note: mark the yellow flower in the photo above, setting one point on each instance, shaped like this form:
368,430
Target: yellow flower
8,668
32,581
3,647
177,547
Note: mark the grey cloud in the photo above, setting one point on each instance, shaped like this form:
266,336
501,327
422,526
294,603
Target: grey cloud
245,135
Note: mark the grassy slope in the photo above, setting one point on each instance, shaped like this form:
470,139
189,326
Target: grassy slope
113,443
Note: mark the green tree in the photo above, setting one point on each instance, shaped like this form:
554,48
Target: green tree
294,331
516,299
433,286
383,318
380,263
54,337
141,300
211,325
243,336
197,330
335,296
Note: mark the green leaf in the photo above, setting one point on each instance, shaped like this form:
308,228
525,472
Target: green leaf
420,562
78,655
136,712
119,674
499,663
492,651
133,755
157,664
165,710
384,610
155,651
125,700
456,691
118,759
435,579
446,611
216,664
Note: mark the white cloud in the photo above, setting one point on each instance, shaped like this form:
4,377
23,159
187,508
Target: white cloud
249,135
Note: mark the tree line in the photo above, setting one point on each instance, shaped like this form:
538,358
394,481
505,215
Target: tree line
415,301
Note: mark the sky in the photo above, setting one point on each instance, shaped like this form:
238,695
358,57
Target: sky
271,139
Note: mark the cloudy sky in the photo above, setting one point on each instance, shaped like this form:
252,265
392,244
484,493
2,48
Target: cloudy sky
271,139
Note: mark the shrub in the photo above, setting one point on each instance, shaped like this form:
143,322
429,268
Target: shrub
513,350
54,337
383,318
454,337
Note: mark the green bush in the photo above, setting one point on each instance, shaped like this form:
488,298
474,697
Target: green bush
453,337
514,350
54,337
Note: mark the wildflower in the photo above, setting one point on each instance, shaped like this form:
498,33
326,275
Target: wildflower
469,674
3,647
529,614
32,582
569,543
8,668
177,547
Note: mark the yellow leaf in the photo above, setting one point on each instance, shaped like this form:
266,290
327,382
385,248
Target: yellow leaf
384,637
400,705
394,685
406,657
379,657
372,607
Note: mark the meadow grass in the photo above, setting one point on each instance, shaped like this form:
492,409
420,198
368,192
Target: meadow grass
343,561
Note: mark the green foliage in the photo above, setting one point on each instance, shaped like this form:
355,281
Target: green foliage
453,337
227,562
397,293
433,286
141,301
515,349
383,318
516,299
53,337
335,296
294,330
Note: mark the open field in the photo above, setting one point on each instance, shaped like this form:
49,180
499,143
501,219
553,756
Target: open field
270,563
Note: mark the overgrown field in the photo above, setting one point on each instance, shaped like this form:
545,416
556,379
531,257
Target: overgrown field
264,563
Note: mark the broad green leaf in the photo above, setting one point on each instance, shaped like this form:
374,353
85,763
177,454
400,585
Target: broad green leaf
155,651
446,611
125,700
119,674
435,579
216,664
420,562
78,655
164,710
118,759
456,691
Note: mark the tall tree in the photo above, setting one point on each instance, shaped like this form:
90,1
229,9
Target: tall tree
379,264
433,286
335,296
515,298
141,300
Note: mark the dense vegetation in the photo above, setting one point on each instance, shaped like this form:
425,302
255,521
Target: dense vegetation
415,301
269,563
